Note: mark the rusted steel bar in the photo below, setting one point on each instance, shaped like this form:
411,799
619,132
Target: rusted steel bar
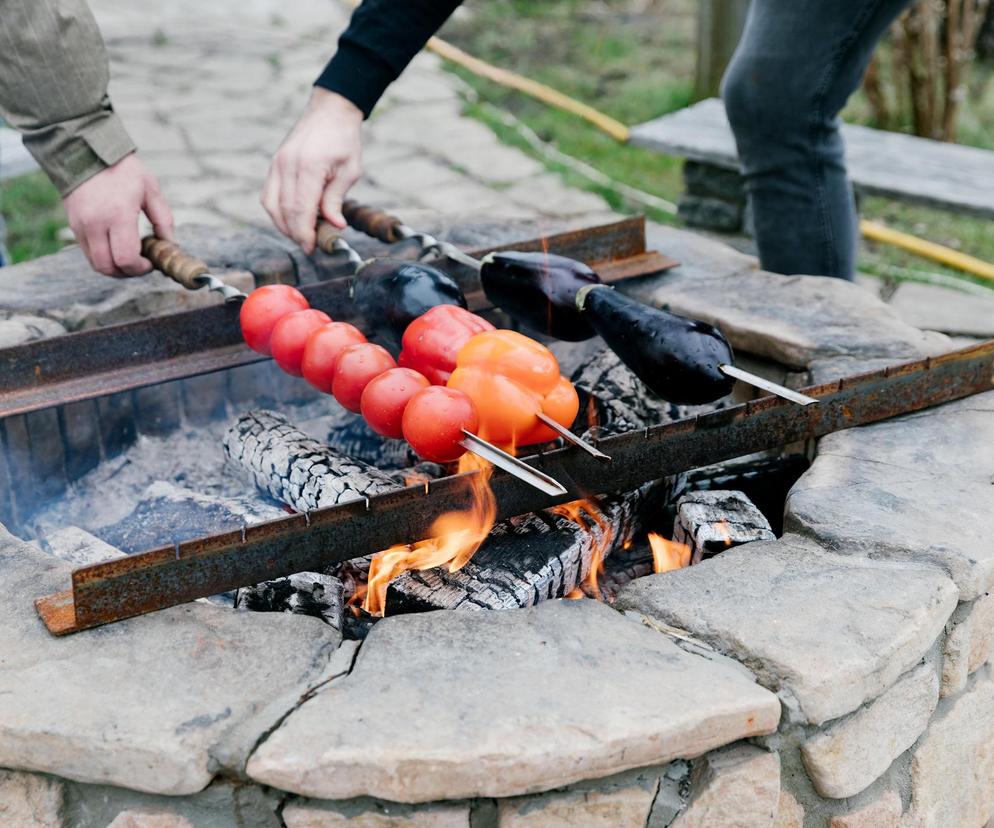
172,575
105,361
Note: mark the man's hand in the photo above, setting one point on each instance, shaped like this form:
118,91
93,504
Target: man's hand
103,214
314,168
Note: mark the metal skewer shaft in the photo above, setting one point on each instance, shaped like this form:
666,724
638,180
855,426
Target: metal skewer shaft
511,464
570,437
766,385
189,271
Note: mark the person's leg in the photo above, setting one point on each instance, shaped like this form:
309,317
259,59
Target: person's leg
795,67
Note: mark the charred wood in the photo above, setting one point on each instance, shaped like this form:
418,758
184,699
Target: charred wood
304,593
711,522
297,469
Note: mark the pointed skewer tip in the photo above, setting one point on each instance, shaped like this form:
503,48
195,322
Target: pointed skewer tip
767,385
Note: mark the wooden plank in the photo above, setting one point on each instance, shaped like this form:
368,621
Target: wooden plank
904,167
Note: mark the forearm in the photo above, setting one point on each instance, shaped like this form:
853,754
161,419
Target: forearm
383,37
53,89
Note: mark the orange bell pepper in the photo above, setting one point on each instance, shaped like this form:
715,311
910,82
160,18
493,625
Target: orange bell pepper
512,378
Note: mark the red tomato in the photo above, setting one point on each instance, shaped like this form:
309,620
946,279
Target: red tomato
322,349
434,420
290,335
265,307
358,365
386,397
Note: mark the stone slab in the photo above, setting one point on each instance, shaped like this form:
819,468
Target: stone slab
210,681
366,813
920,483
624,805
968,643
850,755
880,163
790,813
884,812
935,308
794,320
499,704
826,632
30,801
735,787
952,767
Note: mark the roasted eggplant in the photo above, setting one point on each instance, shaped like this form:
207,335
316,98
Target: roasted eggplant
391,293
678,358
539,290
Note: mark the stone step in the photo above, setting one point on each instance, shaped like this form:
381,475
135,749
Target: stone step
903,167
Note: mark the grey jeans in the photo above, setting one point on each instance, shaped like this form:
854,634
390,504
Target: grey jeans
795,67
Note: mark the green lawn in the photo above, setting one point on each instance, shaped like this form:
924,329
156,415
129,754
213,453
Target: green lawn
33,212
634,61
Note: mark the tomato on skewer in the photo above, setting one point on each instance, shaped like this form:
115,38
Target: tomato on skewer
322,349
356,367
263,308
290,336
434,420
385,398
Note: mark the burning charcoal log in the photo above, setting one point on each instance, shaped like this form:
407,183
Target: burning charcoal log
529,559
623,567
711,522
358,441
304,593
297,469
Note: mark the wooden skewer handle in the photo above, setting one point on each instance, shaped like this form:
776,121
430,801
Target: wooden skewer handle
328,234
372,221
169,258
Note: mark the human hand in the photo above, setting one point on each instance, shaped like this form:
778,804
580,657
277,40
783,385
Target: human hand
314,168
103,215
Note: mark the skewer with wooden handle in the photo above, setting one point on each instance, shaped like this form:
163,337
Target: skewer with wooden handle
387,228
186,270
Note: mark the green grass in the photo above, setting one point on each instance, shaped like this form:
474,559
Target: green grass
635,67
32,209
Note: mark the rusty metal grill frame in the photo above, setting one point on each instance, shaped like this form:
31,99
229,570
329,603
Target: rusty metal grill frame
172,575
104,361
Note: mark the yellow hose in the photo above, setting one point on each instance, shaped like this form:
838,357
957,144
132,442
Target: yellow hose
927,250
617,130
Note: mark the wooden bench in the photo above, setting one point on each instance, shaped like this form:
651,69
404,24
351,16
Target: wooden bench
903,167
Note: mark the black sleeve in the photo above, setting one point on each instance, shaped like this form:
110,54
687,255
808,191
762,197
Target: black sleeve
381,40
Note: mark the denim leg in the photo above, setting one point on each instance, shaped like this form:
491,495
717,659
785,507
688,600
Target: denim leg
795,67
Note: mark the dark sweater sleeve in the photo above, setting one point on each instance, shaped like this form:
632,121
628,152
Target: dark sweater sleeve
382,38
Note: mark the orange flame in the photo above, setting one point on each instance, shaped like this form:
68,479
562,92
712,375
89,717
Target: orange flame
583,513
667,554
721,527
455,537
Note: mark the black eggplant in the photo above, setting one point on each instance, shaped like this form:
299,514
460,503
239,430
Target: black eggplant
678,358
391,293
539,290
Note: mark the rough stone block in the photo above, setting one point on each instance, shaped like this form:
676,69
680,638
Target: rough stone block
78,547
81,430
157,409
29,801
714,182
20,329
777,607
624,804
211,683
790,813
936,308
117,422
501,706
968,643
48,455
736,787
885,812
710,213
952,767
849,755
205,398
150,819
921,504
370,814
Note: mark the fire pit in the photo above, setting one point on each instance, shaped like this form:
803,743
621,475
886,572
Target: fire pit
838,670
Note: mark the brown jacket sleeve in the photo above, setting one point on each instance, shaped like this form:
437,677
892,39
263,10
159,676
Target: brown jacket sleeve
53,89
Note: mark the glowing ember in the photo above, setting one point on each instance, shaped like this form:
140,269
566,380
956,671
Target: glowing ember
455,538
575,594
584,513
667,554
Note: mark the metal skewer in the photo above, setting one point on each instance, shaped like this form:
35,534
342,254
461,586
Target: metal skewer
188,271
570,437
766,385
511,464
